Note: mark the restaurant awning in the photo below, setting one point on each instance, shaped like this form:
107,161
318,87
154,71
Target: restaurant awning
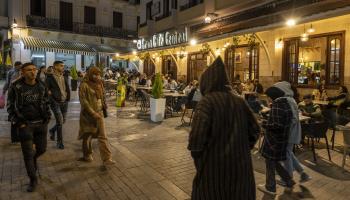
105,49
37,44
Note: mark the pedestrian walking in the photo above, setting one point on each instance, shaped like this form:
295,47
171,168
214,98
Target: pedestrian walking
93,111
12,75
224,130
292,163
28,108
59,94
274,148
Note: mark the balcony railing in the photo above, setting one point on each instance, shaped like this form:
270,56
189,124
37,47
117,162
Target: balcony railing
79,28
191,4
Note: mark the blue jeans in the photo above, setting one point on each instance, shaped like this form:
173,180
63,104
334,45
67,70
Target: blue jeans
292,163
59,109
271,168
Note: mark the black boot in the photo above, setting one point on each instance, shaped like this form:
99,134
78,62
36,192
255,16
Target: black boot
32,184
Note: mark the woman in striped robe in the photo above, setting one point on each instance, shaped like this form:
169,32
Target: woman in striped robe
224,131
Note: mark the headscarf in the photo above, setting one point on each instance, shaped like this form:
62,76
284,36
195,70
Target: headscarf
97,86
215,78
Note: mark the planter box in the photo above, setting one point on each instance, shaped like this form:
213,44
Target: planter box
74,84
157,109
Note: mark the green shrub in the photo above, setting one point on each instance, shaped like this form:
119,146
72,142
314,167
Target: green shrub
157,89
74,73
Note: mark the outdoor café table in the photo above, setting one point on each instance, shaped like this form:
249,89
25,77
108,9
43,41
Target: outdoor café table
172,96
320,102
142,87
303,118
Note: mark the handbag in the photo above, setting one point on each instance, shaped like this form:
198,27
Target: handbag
105,113
2,101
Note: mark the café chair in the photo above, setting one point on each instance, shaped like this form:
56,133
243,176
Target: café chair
315,131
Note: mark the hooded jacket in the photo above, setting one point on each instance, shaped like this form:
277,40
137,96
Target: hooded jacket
295,126
224,131
277,127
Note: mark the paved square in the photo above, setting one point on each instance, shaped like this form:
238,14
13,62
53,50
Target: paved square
152,163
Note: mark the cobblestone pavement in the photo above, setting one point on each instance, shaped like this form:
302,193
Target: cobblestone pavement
152,163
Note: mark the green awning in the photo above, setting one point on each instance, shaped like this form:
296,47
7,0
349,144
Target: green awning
37,44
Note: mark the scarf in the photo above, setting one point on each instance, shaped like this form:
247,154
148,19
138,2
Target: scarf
95,85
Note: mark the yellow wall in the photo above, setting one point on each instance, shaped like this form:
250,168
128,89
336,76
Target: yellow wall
270,70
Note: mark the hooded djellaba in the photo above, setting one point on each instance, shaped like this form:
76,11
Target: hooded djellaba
224,130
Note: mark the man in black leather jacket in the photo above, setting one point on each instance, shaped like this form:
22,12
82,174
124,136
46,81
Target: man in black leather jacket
59,93
28,108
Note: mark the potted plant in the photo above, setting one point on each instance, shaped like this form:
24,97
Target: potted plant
157,103
74,80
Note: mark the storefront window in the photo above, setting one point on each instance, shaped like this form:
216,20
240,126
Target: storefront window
38,58
169,66
243,61
68,59
89,61
197,63
148,67
319,59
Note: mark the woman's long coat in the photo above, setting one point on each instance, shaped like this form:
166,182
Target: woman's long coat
88,101
224,131
277,130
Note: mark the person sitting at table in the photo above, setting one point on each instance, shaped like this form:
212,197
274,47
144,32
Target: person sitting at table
149,81
189,87
248,86
309,109
258,88
172,85
181,86
143,80
320,93
254,103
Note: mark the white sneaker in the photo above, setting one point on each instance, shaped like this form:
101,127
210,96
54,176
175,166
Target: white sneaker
262,188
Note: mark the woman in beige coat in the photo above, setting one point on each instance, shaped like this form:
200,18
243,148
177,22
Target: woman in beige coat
92,100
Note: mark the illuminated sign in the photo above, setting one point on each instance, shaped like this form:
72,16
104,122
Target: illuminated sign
163,39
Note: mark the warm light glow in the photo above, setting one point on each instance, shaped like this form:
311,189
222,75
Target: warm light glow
291,22
117,54
304,39
134,52
193,42
217,52
311,30
207,19
279,44
134,41
304,35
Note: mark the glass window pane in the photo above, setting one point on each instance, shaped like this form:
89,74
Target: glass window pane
312,55
337,43
38,58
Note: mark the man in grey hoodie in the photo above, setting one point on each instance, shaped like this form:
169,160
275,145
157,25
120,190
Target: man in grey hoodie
292,163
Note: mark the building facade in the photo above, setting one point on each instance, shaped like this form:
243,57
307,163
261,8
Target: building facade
304,42
79,32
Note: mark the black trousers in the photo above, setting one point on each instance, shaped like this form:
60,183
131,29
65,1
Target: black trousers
271,167
14,133
33,134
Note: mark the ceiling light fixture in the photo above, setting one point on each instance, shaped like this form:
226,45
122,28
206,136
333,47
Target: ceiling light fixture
291,22
210,17
193,42
311,29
